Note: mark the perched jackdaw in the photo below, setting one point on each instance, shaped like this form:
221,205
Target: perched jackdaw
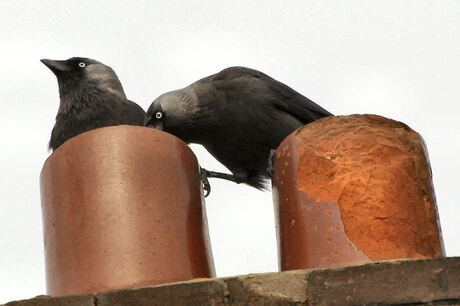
239,115
91,96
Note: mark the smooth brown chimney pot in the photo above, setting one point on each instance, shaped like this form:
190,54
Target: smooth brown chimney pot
123,207
354,189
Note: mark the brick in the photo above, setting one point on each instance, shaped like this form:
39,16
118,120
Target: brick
286,288
393,282
208,292
44,300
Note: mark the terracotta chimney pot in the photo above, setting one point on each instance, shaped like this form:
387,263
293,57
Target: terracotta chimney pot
354,189
123,207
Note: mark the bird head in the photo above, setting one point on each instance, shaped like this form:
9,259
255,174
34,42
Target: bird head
84,73
174,112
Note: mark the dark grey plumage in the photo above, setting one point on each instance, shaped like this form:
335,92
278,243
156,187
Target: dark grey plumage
239,115
91,96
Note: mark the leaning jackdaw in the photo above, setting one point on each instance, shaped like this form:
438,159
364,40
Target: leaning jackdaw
91,96
239,115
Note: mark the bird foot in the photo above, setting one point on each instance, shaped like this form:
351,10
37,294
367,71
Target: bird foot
205,174
205,181
238,177
271,162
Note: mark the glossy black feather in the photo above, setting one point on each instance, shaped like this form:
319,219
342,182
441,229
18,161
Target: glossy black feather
238,115
281,95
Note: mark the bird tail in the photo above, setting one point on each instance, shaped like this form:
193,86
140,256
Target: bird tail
259,182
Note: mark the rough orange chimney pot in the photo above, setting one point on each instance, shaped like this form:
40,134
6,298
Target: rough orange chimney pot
354,189
123,207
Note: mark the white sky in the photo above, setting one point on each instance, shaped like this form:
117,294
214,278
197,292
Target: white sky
399,59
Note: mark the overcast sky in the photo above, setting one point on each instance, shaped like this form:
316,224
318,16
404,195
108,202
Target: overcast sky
399,59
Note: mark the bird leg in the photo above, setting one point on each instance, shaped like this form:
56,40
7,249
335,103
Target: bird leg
221,175
205,174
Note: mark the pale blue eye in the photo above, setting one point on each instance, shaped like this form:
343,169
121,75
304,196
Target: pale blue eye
159,115
81,64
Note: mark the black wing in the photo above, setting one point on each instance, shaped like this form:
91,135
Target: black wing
280,95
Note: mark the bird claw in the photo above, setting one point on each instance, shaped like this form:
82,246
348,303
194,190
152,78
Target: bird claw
239,177
205,182
271,162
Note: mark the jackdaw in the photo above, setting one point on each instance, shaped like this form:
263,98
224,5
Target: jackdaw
91,96
239,115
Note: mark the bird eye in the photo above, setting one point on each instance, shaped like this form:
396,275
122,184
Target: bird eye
81,64
158,115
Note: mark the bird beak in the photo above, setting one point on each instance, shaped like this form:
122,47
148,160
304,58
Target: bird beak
158,126
56,66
